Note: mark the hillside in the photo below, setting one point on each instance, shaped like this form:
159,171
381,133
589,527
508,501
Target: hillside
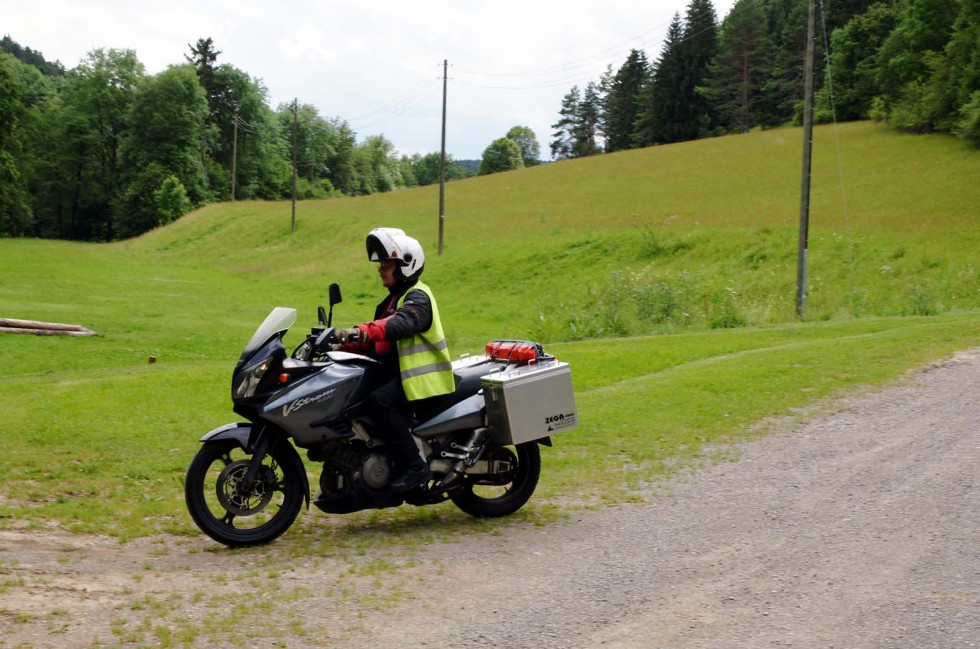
658,239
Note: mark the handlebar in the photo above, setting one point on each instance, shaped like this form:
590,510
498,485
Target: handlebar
318,342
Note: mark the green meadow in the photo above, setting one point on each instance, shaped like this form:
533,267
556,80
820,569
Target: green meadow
665,276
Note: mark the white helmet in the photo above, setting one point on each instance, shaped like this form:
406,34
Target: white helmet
394,244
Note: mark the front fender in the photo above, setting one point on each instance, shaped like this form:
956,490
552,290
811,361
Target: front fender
237,432
240,434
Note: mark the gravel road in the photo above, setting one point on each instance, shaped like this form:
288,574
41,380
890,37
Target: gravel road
859,529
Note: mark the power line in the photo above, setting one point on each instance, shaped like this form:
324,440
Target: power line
573,72
585,65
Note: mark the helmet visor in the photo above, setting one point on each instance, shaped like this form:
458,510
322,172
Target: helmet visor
376,250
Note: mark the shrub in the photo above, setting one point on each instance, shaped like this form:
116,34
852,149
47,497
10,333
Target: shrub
968,126
171,200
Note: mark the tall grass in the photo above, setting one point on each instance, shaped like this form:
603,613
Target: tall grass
666,276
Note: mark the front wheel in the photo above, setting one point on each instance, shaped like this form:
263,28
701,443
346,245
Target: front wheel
223,512
511,477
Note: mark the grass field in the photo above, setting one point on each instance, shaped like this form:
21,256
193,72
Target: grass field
666,276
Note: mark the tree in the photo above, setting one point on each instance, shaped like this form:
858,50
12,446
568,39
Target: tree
963,52
588,123
696,50
911,59
378,168
778,99
15,212
97,98
663,108
740,69
623,101
165,139
171,200
262,166
32,58
203,58
240,126
563,142
503,154
314,138
837,13
137,205
854,62
528,143
326,148
426,169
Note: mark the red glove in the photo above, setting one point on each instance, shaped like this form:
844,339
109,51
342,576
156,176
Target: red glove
373,331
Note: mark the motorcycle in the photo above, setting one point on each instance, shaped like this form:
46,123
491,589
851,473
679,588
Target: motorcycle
247,483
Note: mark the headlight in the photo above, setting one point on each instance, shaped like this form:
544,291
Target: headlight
251,378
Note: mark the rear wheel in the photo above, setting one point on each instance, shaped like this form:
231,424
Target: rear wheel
509,482
226,514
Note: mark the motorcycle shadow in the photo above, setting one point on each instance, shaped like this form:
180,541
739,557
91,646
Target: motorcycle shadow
316,535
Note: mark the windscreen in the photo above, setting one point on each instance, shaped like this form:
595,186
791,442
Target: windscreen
280,319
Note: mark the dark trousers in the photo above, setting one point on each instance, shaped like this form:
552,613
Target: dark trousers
389,406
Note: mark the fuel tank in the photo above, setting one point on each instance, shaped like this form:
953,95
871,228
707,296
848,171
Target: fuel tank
312,408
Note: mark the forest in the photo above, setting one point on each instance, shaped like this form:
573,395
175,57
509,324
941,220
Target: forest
104,151
914,64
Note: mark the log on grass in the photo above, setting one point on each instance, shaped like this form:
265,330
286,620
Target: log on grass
16,326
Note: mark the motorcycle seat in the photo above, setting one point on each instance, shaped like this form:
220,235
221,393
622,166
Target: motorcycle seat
468,383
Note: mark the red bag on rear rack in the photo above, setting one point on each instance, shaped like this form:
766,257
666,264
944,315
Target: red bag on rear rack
516,351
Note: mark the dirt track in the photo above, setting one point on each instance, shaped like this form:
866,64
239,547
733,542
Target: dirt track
859,529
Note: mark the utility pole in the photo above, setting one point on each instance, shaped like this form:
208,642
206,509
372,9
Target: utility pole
442,157
295,128
234,159
807,158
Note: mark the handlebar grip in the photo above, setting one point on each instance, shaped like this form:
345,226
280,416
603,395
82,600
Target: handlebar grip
323,339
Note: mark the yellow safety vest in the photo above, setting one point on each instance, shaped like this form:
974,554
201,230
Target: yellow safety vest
423,359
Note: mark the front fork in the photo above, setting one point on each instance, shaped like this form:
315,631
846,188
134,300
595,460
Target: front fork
259,442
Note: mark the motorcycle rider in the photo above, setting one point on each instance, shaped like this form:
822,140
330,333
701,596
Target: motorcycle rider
406,335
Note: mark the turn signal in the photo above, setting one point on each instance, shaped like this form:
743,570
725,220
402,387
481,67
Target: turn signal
283,378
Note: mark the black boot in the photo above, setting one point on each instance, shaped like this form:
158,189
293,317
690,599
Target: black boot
416,475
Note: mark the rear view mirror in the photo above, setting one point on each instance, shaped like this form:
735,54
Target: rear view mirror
322,316
335,298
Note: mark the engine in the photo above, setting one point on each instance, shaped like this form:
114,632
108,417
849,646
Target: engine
353,478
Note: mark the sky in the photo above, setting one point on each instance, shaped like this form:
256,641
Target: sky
376,64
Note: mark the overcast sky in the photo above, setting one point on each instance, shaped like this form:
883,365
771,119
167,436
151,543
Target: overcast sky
376,63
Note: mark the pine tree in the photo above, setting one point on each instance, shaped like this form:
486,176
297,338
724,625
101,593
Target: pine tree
203,58
585,140
623,102
697,49
662,97
782,90
738,72
562,146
